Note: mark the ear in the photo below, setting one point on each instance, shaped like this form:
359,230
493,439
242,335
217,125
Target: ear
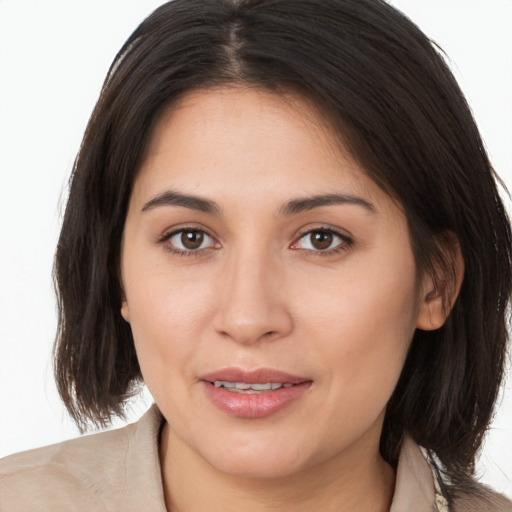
439,291
125,313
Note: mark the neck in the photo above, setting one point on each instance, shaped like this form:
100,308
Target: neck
353,481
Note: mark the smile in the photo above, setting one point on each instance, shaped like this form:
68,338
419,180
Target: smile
254,393
247,388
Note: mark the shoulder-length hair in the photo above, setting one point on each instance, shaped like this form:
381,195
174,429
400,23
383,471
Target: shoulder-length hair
386,91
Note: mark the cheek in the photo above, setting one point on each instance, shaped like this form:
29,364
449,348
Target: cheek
364,321
166,313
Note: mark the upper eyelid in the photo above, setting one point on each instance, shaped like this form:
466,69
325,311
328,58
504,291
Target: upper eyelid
168,233
336,231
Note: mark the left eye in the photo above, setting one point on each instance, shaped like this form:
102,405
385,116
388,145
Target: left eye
319,240
188,240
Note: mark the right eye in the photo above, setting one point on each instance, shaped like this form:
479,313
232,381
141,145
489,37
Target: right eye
189,240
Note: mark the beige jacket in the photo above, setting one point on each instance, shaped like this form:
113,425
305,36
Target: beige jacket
119,470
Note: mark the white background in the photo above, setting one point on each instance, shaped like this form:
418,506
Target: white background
53,58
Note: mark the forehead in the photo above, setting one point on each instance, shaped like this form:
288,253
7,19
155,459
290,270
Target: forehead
247,144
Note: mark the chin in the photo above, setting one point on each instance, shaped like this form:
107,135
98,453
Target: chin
257,467
256,460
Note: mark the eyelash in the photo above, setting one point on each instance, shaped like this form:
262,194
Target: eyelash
345,244
179,252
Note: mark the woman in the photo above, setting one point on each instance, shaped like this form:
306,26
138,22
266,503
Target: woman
283,221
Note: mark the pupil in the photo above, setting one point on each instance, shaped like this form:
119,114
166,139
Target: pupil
321,240
192,239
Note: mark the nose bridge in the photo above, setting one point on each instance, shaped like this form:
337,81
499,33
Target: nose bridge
251,305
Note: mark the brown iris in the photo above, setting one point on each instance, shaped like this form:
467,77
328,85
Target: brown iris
192,239
321,240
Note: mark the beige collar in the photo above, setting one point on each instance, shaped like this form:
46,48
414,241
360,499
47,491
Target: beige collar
416,485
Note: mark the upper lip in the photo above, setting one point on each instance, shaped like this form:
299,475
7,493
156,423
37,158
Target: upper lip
256,376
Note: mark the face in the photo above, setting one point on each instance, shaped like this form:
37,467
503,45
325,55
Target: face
257,255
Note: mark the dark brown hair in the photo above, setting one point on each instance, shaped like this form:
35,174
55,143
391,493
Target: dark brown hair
388,93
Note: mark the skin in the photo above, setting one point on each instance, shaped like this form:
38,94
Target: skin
257,293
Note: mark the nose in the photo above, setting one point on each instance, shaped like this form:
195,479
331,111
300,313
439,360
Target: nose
252,304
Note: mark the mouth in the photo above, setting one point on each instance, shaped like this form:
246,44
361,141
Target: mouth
254,393
251,389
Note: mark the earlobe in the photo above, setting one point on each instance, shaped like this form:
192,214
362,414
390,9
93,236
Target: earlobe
432,313
125,313
441,291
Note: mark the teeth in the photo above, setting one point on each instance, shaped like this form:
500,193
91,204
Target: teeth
261,387
245,387
224,383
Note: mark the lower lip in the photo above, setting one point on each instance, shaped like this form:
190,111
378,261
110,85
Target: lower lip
257,405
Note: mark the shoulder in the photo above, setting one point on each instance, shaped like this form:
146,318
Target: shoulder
479,498
417,487
64,476
89,473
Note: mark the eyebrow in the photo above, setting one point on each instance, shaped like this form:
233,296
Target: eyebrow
309,203
173,198
293,207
